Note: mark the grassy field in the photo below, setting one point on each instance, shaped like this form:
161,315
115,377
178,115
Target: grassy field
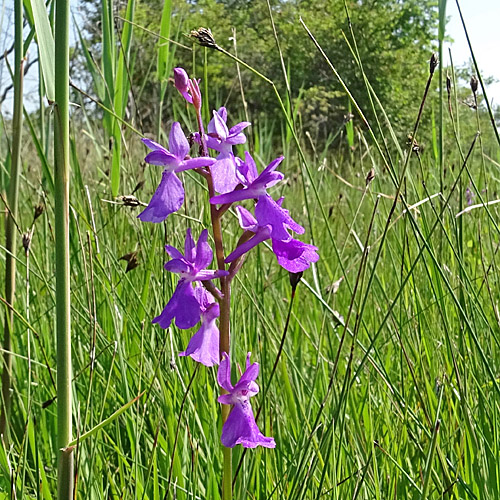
387,386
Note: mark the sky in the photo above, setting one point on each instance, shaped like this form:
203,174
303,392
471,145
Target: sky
482,20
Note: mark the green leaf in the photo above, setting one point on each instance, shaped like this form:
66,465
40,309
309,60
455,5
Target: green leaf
46,44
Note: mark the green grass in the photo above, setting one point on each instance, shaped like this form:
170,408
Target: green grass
409,339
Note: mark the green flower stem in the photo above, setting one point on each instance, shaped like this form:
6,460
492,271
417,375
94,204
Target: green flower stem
11,228
62,171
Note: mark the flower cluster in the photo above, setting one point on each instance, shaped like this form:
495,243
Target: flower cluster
196,299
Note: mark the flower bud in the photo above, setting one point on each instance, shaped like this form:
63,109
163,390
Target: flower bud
295,279
181,80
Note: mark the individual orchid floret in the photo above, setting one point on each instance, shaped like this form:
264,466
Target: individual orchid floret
254,185
221,139
293,255
189,88
240,427
169,195
183,305
204,344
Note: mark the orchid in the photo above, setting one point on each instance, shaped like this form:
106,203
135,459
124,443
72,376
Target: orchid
183,305
254,185
240,427
221,139
169,195
204,344
293,255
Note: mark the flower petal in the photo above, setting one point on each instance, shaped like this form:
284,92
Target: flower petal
241,428
204,344
224,373
204,253
189,246
177,142
202,161
224,173
152,144
162,158
182,306
238,128
268,212
295,256
246,219
166,200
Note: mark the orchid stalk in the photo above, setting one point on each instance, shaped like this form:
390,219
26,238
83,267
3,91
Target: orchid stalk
196,299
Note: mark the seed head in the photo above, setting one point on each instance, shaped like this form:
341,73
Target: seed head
370,176
433,63
473,83
204,37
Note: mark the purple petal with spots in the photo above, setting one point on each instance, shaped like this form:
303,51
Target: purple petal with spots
166,200
177,266
241,428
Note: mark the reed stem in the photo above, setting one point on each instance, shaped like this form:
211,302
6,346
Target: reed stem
11,228
61,157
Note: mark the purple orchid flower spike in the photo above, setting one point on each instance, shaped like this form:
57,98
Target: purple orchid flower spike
169,195
240,427
255,185
293,255
221,139
183,305
204,345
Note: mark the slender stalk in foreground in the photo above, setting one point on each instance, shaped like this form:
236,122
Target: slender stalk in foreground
10,230
61,154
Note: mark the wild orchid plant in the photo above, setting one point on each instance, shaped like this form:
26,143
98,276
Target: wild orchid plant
229,179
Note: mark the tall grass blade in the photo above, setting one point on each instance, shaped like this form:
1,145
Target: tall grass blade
45,44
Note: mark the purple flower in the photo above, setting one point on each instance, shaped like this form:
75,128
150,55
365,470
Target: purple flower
204,344
189,88
222,139
240,427
183,305
255,185
293,255
169,195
